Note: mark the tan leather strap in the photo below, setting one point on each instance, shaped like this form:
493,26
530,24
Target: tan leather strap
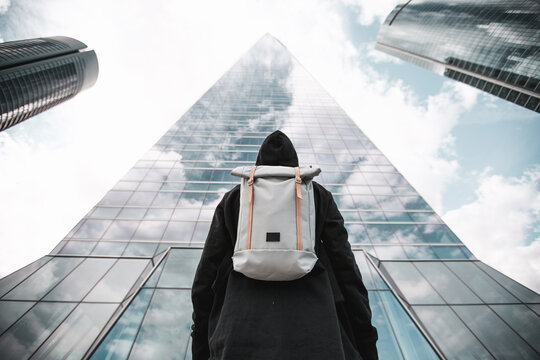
250,200
298,191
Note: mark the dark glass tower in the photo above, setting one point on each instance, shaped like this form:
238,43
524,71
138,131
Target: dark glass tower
37,74
493,45
118,285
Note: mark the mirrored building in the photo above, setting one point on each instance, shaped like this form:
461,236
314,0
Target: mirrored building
118,285
493,45
37,74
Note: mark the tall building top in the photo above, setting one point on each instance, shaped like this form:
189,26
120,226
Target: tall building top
36,74
490,44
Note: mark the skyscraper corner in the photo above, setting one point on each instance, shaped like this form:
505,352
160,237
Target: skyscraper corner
37,74
492,45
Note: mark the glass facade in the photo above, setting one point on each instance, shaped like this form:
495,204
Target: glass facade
492,45
122,275
37,74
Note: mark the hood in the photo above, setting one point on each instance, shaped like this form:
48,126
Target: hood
278,150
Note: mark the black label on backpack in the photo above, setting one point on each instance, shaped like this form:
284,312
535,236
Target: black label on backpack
272,237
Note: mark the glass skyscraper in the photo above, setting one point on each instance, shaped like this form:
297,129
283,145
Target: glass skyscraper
118,285
493,45
37,74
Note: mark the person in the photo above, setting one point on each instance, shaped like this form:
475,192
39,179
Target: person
323,315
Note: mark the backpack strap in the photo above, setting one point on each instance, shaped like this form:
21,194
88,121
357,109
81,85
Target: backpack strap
298,183
250,200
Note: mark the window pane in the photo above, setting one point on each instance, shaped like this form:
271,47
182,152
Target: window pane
501,341
409,282
120,278
386,344
92,229
73,338
390,252
22,339
10,311
364,269
37,285
449,252
450,334
523,320
180,268
110,248
179,231
166,326
80,280
420,252
520,291
150,230
78,247
481,283
381,233
446,283
118,342
357,233
413,344
140,249
8,282
121,230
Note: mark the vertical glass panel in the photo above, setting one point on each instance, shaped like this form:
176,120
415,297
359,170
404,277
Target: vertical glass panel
120,278
109,248
150,230
413,287
413,344
92,229
364,269
523,320
179,231
10,311
80,280
437,234
420,252
140,249
166,326
118,342
520,291
73,338
449,252
484,286
121,230
153,279
390,252
23,338
381,233
201,232
39,283
387,346
446,283
450,334
357,233
10,281
180,268
105,212
501,341
78,247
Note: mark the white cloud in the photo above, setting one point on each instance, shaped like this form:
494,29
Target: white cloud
372,11
4,6
496,225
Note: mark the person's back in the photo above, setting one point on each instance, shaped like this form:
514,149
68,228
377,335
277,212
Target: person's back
323,315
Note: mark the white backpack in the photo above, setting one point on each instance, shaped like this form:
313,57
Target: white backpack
276,226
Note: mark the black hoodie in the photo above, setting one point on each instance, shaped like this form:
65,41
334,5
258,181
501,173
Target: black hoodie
324,315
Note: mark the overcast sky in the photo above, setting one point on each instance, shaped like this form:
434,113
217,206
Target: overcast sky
475,158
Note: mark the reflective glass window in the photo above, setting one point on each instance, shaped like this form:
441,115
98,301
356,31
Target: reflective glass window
523,320
390,252
357,233
179,231
501,341
165,337
449,252
365,202
23,338
180,268
8,282
437,234
140,249
159,214
364,270
518,290
75,335
484,286
413,344
105,212
132,213
92,229
420,252
121,230
446,283
413,287
387,346
80,280
10,311
40,282
77,247
450,334
381,233
110,248
141,198
201,231
407,233
150,230
117,282
118,342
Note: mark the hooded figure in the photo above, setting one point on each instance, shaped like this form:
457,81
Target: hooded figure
323,315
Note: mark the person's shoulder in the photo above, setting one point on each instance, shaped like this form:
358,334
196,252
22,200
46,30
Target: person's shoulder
321,189
231,195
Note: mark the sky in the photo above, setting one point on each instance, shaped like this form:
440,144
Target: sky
473,157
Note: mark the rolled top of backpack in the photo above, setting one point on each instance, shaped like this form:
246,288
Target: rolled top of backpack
306,172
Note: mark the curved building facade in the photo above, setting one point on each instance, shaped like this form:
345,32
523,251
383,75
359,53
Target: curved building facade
493,45
37,74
